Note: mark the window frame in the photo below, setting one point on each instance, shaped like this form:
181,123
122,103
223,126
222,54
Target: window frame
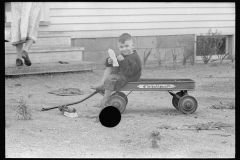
214,57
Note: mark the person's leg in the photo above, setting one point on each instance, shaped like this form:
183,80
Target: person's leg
19,48
19,62
106,95
106,73
105,98
103,104
28,45
25,56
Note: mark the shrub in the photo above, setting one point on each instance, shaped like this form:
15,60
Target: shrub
209,44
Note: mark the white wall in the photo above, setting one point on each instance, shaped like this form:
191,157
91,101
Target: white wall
110,19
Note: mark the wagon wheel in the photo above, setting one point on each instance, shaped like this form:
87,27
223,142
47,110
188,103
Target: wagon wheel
187,104
122,95
175,99
118,102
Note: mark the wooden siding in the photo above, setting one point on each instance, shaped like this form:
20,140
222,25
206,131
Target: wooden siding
142,26
110,19
141,5
138,11
140,18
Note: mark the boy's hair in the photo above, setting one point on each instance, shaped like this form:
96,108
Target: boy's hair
124,37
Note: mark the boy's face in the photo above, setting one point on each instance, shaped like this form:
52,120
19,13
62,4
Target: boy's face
126,48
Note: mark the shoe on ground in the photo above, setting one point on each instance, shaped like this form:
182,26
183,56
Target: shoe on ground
26,58
19,63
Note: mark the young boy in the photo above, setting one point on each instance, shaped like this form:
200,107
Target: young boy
129,70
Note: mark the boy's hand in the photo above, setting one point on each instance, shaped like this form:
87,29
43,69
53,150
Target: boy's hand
117,53
120,57
110,61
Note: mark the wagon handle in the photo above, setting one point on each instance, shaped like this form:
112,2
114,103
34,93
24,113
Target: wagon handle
68,104
129,93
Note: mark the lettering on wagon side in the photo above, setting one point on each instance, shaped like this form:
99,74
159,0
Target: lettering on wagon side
156,86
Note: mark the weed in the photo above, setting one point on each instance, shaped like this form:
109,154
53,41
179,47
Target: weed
146,56
189,56
231,56
23,111
155,136
174,56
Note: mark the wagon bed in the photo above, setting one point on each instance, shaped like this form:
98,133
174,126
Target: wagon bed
156,84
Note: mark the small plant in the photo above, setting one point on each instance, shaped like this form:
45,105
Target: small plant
166,55
158,58
231,56
23,111
155,136
221,50
188,54
221,57
174,56
146,56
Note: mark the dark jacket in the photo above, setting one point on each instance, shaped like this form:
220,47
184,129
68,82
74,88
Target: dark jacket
131,67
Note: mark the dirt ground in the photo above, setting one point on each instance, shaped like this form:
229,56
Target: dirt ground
149,127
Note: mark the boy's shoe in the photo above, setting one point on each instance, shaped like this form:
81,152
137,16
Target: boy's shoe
66,109
19,63
26,58
70,114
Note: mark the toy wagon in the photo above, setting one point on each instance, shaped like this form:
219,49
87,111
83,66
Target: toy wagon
181,100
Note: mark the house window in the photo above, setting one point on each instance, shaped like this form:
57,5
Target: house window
44,15
222,50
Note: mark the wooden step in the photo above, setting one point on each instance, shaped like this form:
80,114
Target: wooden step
39,68
46,54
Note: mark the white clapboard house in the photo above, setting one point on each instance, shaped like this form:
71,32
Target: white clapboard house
84,31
